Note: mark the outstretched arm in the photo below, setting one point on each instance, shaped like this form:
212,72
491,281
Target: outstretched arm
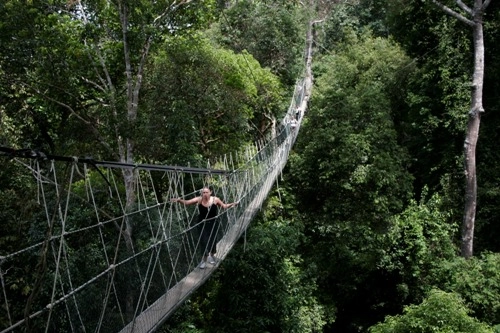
186,202
219,202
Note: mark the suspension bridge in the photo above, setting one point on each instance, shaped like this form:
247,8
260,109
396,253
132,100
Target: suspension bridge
94,262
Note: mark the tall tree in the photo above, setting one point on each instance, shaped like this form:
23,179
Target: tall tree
131,28
473,17
128,30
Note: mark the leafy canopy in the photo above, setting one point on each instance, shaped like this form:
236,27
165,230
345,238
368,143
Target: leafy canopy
440,312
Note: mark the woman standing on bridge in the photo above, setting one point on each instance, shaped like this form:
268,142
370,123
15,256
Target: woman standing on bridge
207,221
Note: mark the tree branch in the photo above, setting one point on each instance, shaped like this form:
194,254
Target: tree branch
317,21
464,7
74,113
84,15
453,13
170,8
94,84
485,4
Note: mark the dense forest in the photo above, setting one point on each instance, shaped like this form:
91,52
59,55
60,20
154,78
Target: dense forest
386,217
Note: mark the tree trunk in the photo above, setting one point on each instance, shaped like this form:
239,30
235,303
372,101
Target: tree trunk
471,140
476,109
127,148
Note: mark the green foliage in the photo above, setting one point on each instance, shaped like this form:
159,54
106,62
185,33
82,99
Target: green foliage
438,96
350,175
339,25
351,158
440,312
67,76
420,240
37,55
19,210
350,17
439,102
269,294
356,247
477,281
185,319
204,100
272,32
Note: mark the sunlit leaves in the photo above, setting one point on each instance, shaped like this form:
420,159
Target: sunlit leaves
205,98
477,280
440,312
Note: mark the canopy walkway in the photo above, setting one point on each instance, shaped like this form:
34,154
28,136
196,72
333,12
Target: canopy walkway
100,264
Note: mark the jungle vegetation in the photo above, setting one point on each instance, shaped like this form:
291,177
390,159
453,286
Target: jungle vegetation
365,232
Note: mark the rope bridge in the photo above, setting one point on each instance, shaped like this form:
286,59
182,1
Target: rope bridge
95,262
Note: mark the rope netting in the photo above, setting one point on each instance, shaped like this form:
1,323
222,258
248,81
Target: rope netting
100,257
